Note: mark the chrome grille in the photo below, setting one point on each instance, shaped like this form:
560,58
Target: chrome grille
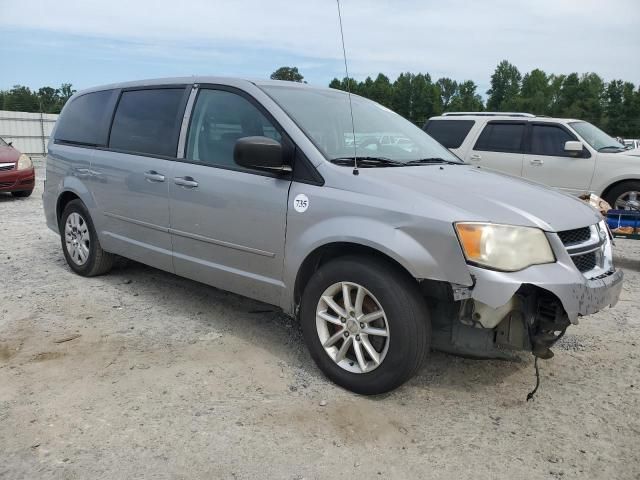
586,247
585,262
7,166
578,235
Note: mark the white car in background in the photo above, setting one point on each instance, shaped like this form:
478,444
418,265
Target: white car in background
635,152
631,144
569,154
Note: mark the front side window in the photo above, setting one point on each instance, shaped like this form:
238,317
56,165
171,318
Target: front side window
219,119
85,120
501,137
324,116
148,121
549,140
450,133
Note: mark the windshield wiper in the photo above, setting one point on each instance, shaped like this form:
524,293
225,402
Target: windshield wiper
368,162
431,161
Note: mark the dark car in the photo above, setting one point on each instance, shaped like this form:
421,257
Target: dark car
17,174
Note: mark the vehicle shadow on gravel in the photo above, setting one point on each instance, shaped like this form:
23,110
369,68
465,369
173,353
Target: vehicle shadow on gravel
627,263
269,328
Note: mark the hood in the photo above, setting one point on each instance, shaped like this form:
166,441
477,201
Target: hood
480,195
8,154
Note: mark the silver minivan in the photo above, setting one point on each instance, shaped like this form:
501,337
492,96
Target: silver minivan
272,191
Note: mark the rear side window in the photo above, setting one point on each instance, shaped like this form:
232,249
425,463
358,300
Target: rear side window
549,140
148,121
450,133
501,137
85,121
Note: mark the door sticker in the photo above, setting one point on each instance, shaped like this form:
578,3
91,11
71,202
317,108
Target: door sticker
301,203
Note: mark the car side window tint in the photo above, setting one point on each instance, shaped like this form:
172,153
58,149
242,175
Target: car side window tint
449,133
501,137
549,140
85,120
148,121
219,119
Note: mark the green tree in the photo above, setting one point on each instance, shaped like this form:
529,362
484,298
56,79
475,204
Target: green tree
448,89
505,88
402,98
535,94
466,99
290,74
382,91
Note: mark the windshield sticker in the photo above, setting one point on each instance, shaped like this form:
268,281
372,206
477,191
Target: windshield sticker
301,203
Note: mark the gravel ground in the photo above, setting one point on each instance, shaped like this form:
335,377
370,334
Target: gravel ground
142,374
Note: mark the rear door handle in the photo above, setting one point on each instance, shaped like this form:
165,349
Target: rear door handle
186,182
537,162
153,176
475,156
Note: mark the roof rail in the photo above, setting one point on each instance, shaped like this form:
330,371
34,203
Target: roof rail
489,114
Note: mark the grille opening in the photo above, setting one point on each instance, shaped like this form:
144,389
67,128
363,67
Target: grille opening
7,167
578,235
585,262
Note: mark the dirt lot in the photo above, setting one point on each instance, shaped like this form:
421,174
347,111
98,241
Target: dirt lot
168,378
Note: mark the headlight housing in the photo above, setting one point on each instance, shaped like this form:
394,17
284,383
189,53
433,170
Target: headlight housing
503,247
24,162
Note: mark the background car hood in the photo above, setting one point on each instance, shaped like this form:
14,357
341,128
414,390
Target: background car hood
481,195
8,154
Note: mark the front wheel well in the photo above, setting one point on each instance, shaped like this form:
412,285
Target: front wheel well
331,251
63,200
607,190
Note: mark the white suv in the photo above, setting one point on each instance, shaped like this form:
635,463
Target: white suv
571,155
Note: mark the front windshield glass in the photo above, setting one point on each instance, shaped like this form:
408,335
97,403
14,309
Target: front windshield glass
596,137
325,117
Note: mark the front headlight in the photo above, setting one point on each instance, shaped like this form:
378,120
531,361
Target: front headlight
504,247
24,162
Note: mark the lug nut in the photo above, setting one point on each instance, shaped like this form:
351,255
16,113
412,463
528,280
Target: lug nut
361,325
358,337
346,334
343,320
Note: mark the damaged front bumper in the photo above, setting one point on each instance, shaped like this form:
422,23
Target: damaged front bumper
530,309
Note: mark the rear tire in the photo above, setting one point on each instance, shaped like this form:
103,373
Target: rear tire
22,193
624,191
80,243
390,294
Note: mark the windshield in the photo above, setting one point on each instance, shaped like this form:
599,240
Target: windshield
596,137
325,118
3,143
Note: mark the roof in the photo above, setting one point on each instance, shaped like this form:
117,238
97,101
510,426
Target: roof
501,116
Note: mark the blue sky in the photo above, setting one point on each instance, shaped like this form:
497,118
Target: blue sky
91,42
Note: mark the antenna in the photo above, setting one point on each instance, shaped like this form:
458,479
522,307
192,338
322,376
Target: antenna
346,71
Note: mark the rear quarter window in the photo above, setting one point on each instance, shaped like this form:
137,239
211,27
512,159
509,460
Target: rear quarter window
449,133
85,120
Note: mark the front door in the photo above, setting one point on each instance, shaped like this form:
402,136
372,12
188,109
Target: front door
228,222
545,160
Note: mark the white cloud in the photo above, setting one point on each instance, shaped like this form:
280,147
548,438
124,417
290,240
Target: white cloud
460,39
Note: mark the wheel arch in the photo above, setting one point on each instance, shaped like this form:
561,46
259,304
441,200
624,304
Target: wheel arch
613,185
331,251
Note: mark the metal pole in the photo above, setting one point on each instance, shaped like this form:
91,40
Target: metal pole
44,145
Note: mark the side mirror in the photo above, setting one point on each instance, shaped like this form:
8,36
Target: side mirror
573,146
260,152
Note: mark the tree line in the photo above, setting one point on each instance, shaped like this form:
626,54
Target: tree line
45,99
613,106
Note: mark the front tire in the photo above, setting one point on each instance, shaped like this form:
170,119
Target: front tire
80,243
378,338
22,193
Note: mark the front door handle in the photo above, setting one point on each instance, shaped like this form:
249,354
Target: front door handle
153,176
475,156
186,182
537,162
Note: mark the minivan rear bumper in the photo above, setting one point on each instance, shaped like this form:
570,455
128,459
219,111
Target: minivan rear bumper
578,294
